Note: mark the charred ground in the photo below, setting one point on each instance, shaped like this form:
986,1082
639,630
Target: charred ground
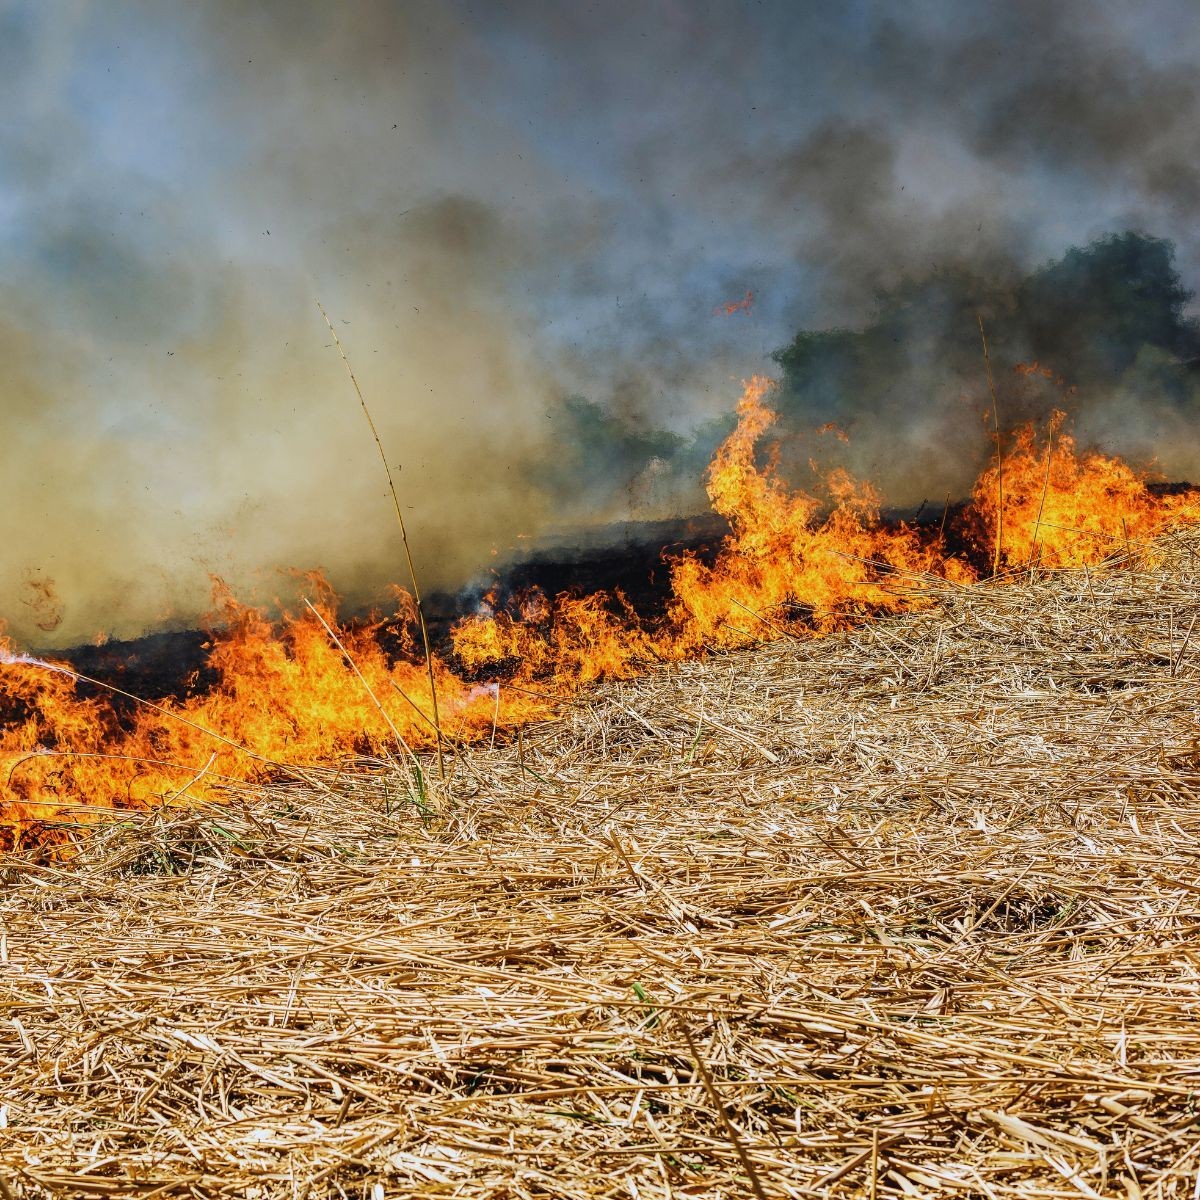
630,559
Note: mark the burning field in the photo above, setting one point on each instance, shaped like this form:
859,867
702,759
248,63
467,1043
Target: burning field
301,693
867,869
905,910
778,791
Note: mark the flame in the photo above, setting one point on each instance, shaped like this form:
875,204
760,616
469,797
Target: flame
1062,508
779,554
745,304
307,691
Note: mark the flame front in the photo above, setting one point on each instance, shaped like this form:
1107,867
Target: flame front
1066,509
306,691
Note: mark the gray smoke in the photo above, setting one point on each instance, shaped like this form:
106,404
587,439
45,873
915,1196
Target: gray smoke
525,220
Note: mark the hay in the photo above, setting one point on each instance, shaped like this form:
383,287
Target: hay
907,911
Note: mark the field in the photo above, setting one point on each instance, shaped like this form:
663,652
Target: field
907,910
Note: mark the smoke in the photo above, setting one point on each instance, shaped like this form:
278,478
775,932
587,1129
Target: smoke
975,164
174,406
1102,332
525,220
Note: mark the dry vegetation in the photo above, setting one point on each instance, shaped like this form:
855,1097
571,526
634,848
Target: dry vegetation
906,911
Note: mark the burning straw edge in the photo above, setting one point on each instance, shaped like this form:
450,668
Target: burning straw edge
941,946
27,660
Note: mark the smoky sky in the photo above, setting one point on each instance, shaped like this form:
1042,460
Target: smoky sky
525,220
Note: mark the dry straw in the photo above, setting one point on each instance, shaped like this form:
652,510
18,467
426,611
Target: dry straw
940,939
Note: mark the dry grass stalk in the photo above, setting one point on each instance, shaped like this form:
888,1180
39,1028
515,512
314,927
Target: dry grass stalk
412,570
987,362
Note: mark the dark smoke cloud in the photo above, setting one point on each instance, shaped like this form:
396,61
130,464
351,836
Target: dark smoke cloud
506,205
972,145
1106,324
1068,85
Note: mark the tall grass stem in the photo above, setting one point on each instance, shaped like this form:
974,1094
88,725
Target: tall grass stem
412,571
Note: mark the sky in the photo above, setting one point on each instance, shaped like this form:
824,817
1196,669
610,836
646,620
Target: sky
501,205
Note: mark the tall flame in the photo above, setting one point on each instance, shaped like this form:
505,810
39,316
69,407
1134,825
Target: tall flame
307,691
1066,509
780,554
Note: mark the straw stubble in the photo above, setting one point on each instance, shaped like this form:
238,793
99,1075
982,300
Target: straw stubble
922,898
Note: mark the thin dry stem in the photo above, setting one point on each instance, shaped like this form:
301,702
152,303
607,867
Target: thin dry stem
1037,525
412,570
987,362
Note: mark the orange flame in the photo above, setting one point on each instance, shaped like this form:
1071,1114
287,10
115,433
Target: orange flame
307,691
780,554
1067,509
745,304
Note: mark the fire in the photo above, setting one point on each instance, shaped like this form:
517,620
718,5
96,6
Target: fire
1062,508
780,558
308,691
744,305
573,641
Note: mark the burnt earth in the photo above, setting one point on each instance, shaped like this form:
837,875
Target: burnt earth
632,559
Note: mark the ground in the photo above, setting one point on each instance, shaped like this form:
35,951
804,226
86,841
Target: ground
906,911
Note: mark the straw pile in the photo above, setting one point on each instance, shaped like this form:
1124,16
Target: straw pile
908,911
